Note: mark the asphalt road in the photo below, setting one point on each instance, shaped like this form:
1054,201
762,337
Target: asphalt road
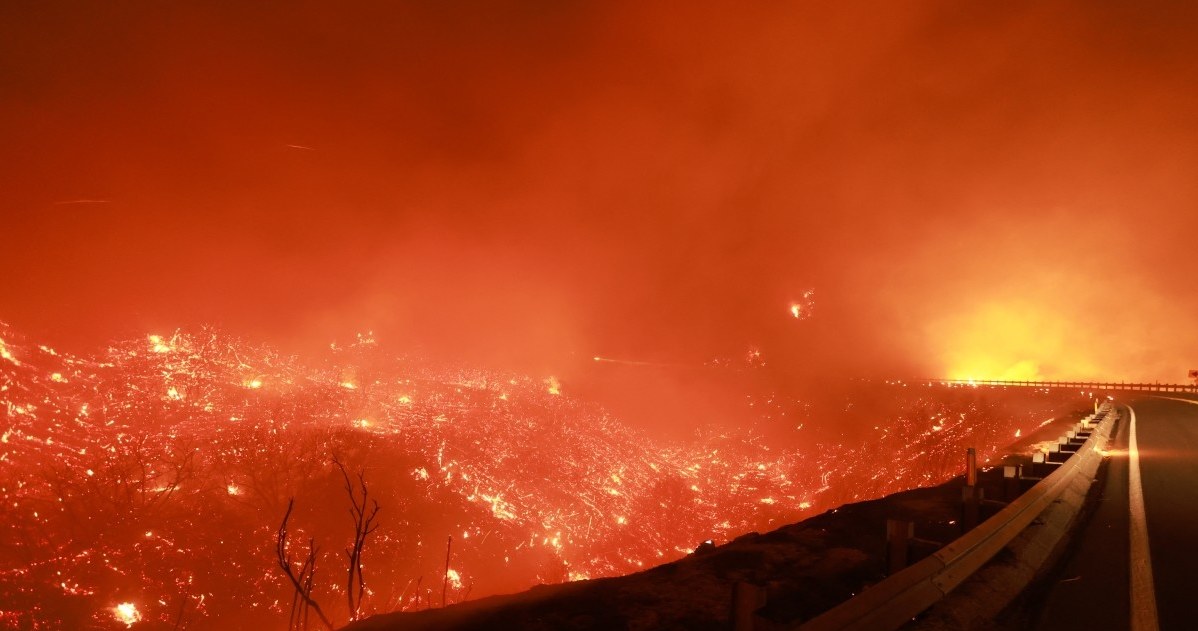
1092,587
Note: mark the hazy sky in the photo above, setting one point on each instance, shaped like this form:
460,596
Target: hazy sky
971,189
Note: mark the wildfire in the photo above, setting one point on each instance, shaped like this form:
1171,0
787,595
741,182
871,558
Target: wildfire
143,443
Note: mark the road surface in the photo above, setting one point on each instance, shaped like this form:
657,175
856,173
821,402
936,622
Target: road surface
1095,584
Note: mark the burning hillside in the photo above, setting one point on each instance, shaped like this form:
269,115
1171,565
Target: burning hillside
144,485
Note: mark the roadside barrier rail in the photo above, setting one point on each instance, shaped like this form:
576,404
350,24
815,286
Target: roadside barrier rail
896,600
1077,385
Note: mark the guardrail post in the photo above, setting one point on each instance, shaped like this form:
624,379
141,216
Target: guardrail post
898,539
747,598
1010,481
970,494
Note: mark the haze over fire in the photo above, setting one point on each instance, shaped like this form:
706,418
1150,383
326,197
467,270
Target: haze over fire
974,189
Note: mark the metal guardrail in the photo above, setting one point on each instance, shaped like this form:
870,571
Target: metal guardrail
1078,385
896,600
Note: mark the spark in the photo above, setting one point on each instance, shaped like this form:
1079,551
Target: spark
70,202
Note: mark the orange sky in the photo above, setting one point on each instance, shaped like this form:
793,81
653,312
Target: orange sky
972,189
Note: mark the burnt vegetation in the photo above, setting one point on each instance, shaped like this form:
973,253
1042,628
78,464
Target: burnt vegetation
155,474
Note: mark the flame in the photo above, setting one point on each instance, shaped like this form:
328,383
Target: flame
455,579
553,385
802,309
158,345
126,613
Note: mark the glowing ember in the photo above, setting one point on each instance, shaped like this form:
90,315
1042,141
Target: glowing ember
7,355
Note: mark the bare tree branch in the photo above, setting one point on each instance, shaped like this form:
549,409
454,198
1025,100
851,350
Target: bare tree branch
363,511
302,602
